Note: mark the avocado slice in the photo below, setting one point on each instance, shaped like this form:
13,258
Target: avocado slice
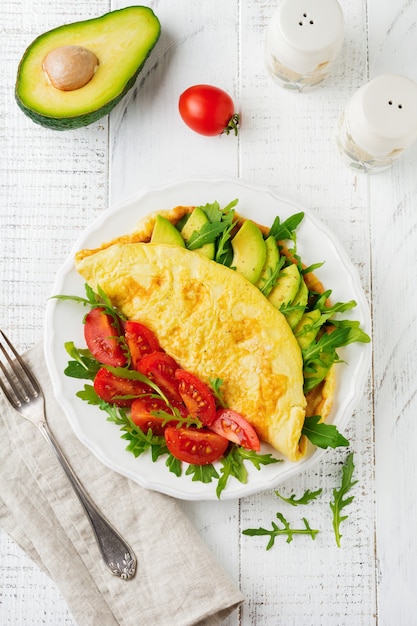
305,331
249,251
300,301
286,287
194,223
271,262
120,41
165,232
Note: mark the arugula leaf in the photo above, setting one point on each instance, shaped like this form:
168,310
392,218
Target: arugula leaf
355,332
233,465
94,300
215,384
286,229
321,434
328,342
311,268
174,465
224,250
271,280
208,233
217,230
202,473
304,499
337,307
84,364
215,213
340,499
276,531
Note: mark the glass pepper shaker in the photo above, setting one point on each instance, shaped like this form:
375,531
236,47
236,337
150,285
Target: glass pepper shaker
378,123
303,39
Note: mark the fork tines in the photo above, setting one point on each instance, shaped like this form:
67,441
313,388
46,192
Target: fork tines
21,385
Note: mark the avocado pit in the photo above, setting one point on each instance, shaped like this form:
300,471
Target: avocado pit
70,67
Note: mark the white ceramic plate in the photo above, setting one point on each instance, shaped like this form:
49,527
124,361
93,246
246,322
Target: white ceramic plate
315,243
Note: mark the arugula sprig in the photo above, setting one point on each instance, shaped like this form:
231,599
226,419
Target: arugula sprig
217,230
341,500
286,229
307,497
321,434
233,464
285,530
83,365
96,299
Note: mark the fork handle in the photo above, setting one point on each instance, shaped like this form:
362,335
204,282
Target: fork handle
116,553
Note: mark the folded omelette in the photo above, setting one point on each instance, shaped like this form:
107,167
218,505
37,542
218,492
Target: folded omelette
215,324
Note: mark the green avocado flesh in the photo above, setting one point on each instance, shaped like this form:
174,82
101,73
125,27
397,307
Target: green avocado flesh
121,40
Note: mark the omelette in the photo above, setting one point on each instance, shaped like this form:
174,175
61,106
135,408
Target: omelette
215,324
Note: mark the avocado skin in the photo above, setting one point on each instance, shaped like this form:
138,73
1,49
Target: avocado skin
79,121
71,123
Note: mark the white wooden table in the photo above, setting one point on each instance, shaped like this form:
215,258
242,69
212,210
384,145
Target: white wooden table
54,184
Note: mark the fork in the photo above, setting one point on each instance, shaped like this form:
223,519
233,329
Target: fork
25,395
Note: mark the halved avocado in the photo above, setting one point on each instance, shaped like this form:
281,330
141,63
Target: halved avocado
121,42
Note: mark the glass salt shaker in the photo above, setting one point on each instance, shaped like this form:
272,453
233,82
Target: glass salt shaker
378,123
303,39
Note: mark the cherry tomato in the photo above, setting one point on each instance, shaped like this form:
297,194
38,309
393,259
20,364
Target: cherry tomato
140,340
196,396
196,446
142,414
160,368
102,338
110,388
234,427
208,110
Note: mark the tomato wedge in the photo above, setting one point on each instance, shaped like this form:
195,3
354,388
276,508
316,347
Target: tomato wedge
111,388
160,368
142,416
140,341
196,446
196,396
102,338
234,427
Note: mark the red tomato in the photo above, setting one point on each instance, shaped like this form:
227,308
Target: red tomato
140,340
196,396
110,387
234,427
208,110
196,446
160,368
102,338
141,414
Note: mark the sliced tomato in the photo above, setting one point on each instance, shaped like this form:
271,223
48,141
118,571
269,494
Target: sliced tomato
160,368
196,396
112,388
236,428
196,446
142,414
140,340
102,338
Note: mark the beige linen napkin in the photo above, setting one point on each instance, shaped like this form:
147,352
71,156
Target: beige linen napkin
178,581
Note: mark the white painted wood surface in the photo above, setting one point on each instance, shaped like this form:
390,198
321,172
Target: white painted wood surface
54,184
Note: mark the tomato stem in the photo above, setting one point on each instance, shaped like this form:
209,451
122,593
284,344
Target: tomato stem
233,124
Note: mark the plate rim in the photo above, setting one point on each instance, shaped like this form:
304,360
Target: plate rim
239,490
